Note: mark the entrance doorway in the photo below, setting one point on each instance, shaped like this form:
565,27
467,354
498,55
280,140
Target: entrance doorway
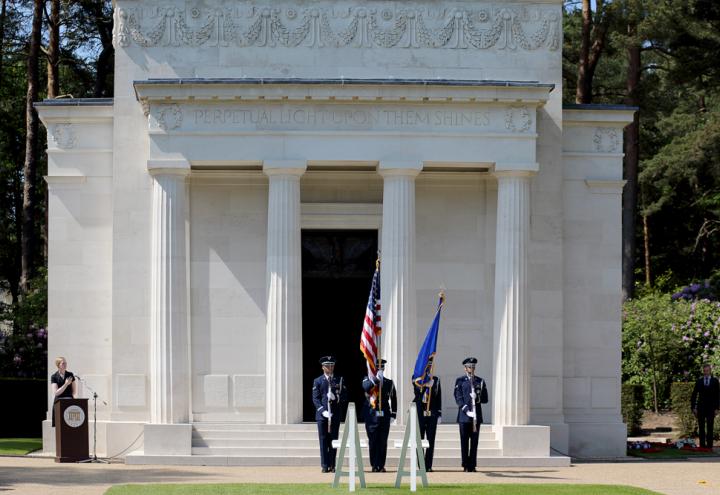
337,270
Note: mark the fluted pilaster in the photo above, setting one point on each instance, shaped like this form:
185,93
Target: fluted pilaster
169,334
511,397
284,298
398,275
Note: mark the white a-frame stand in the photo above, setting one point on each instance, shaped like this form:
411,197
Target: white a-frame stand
417,456
350,440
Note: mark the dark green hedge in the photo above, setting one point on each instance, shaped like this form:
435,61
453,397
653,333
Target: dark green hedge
24,407
632,401
680,394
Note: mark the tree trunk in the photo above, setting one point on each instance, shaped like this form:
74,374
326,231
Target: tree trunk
104,64
646,238
28,243
3,16
632,158
53,51
592,43
583,91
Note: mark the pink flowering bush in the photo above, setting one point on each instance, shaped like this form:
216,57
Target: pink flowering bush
667,338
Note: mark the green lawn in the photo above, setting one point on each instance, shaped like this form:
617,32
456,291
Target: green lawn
499,489
19,446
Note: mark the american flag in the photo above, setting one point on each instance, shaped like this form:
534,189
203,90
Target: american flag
372,328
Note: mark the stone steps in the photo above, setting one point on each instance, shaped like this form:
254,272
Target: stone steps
234,444
313,442
296,440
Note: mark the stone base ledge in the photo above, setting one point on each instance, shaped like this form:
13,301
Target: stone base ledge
162,440
525,441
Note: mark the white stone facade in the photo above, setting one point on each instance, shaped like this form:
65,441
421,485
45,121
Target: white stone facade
176,210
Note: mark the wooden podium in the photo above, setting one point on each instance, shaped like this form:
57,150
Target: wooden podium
71,430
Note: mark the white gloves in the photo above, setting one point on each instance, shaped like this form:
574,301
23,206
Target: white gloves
326,414
380,375
469,413
439,419
393,421
473,395
330,395
430,383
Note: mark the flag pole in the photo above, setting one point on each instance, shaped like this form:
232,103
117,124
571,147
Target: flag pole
379,359
432,366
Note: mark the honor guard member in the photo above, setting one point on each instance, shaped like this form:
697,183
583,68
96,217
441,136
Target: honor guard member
329,395
470,393
377,418
428,402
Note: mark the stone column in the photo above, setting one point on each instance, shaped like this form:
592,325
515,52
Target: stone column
511,377
283,358
169,431
397,284
511,397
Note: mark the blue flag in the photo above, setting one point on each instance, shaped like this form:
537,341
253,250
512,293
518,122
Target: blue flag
424,363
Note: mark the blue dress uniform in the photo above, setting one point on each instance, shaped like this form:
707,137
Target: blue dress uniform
464,385
378,426
428,416
325,406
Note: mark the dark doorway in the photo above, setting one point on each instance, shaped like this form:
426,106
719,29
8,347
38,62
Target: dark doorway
337,270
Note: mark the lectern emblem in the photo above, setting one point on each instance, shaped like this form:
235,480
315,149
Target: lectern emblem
74,416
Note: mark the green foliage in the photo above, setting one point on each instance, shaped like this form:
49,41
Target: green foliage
632,403
23,350
649,346
681,394
666,341
679,95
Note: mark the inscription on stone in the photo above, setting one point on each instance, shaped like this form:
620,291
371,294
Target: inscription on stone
322,118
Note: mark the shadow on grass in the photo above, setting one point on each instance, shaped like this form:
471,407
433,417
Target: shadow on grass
74,475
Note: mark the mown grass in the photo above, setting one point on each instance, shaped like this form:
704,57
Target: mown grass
19,446
315,489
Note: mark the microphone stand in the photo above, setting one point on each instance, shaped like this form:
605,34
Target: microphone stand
93,458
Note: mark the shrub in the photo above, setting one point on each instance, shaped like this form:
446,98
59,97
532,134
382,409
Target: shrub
632,400
667,341
681,393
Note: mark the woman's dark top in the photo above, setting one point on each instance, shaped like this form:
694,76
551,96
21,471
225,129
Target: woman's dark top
67,393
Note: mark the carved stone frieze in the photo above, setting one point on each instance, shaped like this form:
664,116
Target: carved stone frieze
606,140
341,24
63,135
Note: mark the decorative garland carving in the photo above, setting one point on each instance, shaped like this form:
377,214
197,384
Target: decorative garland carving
168,117
606,140
502,28
63,135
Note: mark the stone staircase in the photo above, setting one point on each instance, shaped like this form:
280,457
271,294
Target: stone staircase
236,444
297,445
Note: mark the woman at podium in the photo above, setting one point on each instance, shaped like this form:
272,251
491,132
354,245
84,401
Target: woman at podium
63,383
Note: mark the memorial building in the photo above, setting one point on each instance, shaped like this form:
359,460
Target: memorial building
213,228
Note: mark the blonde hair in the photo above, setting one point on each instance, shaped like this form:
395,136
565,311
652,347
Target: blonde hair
59,360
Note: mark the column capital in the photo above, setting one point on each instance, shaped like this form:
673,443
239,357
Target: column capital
168,167
527,169
398,168
284,167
